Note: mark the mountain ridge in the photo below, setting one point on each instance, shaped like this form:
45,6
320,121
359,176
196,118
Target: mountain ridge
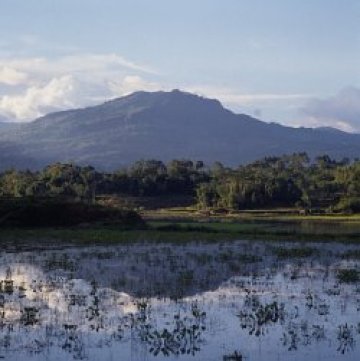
161,125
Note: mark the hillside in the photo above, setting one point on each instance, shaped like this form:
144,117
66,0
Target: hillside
161,125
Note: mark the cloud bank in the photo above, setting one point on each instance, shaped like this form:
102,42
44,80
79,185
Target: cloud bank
38,100
31,87
11,76
341,111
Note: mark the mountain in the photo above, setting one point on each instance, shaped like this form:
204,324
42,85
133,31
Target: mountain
4,125
161,125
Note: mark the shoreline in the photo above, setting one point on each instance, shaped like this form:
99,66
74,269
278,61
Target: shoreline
344,229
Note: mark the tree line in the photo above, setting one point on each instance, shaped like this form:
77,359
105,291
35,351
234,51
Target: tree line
143,178
284,181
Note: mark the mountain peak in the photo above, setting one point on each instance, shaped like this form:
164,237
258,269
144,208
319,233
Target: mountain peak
166,97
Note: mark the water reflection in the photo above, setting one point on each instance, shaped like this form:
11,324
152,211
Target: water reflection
225,301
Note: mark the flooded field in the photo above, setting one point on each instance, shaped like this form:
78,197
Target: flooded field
221,301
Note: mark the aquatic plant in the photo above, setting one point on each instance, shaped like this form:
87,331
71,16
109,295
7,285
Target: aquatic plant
302,252
346,338
348,275
235,356
259,316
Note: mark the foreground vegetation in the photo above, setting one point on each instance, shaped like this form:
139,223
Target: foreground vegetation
51,213
284,198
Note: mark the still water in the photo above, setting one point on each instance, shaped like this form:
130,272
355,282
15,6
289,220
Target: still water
221,301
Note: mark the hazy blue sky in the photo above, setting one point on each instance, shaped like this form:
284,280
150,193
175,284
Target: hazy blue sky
292,61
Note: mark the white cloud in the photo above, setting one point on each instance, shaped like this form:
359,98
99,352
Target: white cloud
341,111
37,85
233,97
79,63
66,92
36,101
130,84
11,76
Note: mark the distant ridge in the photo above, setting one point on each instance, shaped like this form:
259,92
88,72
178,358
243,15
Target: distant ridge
7,125
161,125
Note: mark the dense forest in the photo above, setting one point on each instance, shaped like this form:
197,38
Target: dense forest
286,181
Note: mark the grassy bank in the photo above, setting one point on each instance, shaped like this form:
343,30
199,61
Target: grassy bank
85,224
276,214
274,229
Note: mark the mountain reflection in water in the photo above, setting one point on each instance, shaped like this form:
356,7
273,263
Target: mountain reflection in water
220,301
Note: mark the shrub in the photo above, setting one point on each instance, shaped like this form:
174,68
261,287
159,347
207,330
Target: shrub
57,214
294,252
351,205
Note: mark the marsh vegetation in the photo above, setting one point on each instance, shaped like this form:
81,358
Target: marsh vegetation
236,300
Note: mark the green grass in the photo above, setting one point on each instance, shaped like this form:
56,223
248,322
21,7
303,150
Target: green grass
299,229
277,214
252,227
165,231
41,237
